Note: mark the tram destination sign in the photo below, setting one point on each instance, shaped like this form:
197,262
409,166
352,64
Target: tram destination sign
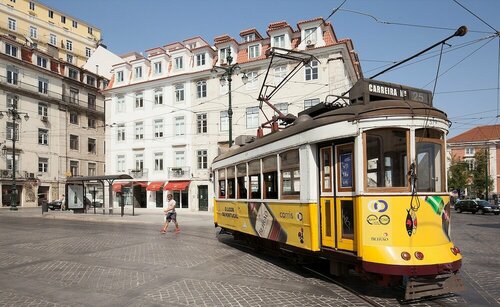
372,90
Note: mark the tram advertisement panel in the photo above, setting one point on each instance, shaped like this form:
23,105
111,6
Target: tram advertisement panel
282,222
401,220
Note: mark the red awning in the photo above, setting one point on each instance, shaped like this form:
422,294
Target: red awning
176,185
117,187
142,184
155,185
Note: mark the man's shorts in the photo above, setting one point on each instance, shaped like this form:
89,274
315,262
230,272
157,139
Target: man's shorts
171,216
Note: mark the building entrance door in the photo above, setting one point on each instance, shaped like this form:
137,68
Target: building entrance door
203,198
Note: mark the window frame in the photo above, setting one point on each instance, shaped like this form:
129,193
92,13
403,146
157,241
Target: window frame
339,150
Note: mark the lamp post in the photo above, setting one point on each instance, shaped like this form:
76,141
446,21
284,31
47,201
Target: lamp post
14,115
227,72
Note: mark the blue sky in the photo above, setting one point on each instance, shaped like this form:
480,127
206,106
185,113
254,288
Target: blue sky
383,31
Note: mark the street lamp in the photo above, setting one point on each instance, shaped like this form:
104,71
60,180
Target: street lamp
227,72
14,115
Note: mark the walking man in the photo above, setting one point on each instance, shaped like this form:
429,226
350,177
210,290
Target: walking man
170,215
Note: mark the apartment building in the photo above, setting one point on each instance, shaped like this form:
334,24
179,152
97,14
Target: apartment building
41,78
169,117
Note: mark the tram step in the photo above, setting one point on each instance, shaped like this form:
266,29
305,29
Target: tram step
423,287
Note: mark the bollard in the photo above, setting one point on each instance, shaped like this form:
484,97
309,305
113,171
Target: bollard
45,207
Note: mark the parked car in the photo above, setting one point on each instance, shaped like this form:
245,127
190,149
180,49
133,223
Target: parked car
56,204
476,205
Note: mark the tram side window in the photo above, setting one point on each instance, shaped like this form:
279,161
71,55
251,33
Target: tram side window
326,169
270,170
254,179
290,174
430,160
231,191
222,183
241,174
386,158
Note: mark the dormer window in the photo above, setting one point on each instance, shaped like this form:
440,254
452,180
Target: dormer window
469,151
249,38
279,41
119,76
200,59
310,36
178,63
192,46
253,51
73,73
157,68
138,72
223,55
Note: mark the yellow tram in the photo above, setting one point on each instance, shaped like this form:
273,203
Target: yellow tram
361,184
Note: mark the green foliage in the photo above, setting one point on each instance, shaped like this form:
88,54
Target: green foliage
458,174
480,177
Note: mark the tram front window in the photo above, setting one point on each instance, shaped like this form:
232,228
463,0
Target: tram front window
386,158
430,164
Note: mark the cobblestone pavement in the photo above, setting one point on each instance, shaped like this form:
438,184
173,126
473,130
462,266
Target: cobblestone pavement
64,259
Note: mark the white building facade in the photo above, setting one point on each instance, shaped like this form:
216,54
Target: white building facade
168,117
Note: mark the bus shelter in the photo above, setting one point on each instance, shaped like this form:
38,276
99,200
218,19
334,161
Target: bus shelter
76,192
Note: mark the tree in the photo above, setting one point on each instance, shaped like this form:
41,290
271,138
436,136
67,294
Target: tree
480,176
458,174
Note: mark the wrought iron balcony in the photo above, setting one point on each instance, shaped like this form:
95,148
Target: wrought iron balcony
138,173
183,172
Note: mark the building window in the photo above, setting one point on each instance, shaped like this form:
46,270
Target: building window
139,161
12,24
223,53
139,100
310,102
119,76
469,151
73,95
179,92
282,107
91,101
158,97
120,104
90,80
32,6
74,168
201,89
69,58
41,61
224,121
138,72
73,118
279,74
178,63
179,158
53,40
63,19
157,68
12,75
202,158
72,73
9,161
69,45
200,59
88,52
158,156
312,71
180,126
43,165
158,126
120,131
11,50
310,36
33,32
75,24
248,38
51,14
43,85
252,115
120,163
12,101
43,136
91,122
201,123
91,146
11,132
90,30
252,80
139,131
73,142
253,51
279,41
42,109
92,167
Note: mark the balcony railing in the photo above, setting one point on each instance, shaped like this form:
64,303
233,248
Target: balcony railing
138,173
183,172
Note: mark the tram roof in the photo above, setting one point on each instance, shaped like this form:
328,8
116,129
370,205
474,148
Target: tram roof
353,112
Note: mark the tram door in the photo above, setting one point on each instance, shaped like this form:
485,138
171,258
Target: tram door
337,196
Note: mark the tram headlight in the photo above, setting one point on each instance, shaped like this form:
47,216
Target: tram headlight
455,250
406,256
419,255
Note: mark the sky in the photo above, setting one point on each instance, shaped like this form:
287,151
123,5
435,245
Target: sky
383,32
